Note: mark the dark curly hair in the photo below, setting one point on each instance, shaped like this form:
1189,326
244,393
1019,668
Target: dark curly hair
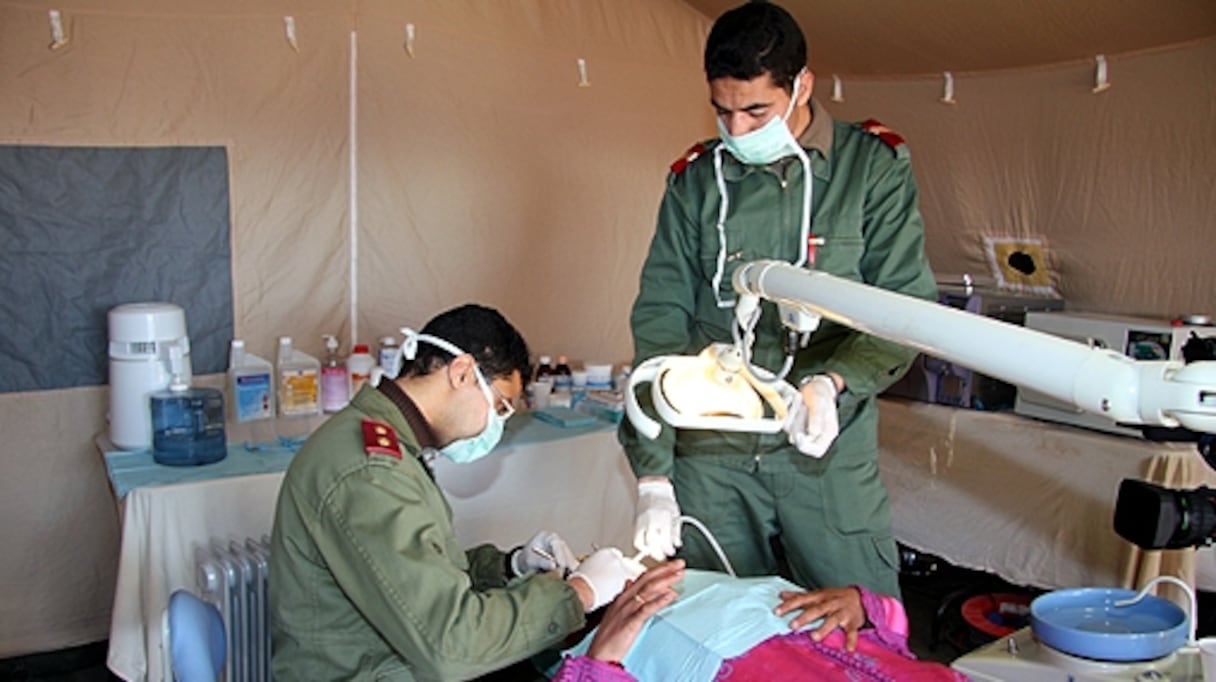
480,331
754,39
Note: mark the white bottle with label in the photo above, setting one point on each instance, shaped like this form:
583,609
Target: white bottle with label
359,365
250,384
335,383
298,381
390,357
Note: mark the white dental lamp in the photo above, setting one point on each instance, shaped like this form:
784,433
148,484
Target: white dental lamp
720,389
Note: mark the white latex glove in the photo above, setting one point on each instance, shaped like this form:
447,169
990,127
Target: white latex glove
656,531
546,551
606,571
812,423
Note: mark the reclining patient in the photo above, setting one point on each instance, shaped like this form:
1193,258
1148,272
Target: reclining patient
673,624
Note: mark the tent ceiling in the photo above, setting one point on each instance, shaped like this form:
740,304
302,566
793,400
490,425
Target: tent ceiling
900,38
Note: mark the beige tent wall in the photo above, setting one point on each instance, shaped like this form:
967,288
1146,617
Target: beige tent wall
1120,184
485,173
488,174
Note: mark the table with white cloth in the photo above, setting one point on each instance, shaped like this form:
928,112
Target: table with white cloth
1030,501
575,481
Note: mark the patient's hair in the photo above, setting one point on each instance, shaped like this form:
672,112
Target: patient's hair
483,332
754,39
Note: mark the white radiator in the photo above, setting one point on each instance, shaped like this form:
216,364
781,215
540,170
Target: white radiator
233,576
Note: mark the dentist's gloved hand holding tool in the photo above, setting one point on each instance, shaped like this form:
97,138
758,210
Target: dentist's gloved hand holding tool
546,551
605,572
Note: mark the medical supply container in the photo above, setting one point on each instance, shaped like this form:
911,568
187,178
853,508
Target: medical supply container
599,376
140,338
250,384
544,370
298,380
562,378
335,383
578,386
187,422
359,366
389,357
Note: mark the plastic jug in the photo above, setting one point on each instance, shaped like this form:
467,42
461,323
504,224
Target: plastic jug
250,384
187,423
298,381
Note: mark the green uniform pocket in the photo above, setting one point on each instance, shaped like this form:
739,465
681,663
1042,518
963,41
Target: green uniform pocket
840,256
855,500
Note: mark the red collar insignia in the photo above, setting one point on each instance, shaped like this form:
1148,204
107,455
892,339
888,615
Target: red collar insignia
689,156
380,439
889,137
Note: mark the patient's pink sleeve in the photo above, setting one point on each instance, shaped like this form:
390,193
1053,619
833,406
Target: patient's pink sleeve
587,669
882,653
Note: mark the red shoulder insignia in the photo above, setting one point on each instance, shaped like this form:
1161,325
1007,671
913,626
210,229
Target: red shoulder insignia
689,156
380,439
889,137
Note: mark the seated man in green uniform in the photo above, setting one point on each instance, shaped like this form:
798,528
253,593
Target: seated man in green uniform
366,578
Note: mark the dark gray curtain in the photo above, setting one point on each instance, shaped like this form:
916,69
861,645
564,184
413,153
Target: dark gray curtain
83,229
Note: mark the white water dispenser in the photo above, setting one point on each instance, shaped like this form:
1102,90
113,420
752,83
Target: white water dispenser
141,335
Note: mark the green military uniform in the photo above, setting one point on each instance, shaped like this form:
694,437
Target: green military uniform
831,514
366,579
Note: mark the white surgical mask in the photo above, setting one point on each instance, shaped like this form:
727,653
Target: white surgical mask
474,448
468,450
769,142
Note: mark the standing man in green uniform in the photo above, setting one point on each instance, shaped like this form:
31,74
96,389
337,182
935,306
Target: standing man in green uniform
366,578
784,181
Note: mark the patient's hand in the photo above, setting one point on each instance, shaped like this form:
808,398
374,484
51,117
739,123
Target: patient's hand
840,607
624,617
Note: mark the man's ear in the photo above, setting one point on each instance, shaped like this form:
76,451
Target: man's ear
806,87
461,370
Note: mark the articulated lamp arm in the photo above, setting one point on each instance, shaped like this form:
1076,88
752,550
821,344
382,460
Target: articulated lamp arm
1104,382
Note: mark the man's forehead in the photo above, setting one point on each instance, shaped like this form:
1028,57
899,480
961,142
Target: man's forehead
732,93
764,81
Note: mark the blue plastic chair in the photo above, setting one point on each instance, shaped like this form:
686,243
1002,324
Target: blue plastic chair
197,644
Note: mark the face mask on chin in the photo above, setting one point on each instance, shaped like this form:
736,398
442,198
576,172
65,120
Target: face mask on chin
472,449
769,142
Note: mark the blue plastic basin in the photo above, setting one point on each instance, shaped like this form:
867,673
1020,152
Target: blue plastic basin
1085,622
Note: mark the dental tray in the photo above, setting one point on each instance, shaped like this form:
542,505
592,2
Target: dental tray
564,417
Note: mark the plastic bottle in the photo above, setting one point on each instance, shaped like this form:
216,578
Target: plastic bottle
187,422
359,366
250,384
335,384
562,376
544,370
299,385
389,357
578,387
